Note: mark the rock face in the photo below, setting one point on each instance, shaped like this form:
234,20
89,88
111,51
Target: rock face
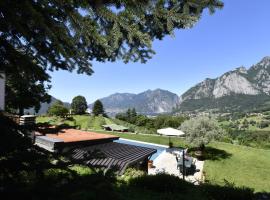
148,102
233,82
254,81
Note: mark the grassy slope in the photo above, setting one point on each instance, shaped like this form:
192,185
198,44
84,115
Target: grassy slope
245,167
84,122
257,119
178,142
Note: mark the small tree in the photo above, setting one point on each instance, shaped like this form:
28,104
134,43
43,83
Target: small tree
58,109
79,105
133,112
201,130
98,108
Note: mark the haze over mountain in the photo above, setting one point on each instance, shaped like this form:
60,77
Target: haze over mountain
241,89
149,102
45,106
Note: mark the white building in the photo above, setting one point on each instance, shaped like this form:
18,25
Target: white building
2,91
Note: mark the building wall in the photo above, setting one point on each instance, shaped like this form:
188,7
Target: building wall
2,91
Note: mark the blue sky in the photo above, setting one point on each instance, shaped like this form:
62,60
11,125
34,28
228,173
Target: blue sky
237,35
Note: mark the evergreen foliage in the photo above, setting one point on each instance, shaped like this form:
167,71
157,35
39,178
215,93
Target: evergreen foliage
79,105
98,108
37,36
26,86
67,35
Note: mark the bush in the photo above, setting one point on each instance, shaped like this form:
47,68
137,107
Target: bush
252,122
258,138
131,174
263,124
227,192
162,183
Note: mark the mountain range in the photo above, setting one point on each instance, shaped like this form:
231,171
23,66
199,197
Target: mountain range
149,102
241,89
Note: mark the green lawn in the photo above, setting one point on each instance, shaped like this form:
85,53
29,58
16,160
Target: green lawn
244,166
257,119
84,122
177,142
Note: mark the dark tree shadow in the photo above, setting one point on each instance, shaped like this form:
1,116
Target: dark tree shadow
47,128
211,153
164,186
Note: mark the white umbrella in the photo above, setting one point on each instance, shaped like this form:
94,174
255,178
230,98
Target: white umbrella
170,132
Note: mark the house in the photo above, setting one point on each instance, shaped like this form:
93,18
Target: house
95,149
115,127
2,91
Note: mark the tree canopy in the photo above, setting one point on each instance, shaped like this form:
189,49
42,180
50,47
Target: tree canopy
201,130
79,105
160,121
26,87
69,35
58,109
98,108
37,36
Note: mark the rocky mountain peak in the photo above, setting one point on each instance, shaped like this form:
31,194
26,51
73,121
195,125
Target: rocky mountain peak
235,89
253,81
147,102
242,70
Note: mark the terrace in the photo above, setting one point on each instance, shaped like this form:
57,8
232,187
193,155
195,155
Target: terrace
95,149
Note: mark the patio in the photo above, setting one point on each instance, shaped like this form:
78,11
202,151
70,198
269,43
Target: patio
166,163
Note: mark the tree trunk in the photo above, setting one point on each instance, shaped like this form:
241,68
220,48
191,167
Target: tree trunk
202,147
21,111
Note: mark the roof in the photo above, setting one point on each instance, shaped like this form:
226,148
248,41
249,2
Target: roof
170,132
74,135
115,127
114,154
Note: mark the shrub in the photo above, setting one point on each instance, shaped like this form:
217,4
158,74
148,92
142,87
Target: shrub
162,183
227,192
131,174
263,124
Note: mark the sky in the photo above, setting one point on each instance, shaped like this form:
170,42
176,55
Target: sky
238,35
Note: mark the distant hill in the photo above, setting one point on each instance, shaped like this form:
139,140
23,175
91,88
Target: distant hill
149,102
237,90
241,89
44,107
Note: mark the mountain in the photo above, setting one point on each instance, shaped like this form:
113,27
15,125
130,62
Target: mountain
45,106
237,90
149,102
